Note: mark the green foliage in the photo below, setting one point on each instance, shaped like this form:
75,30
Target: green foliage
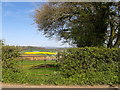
10,70
77,66
91,65
10,76
80,23
1,42
9,55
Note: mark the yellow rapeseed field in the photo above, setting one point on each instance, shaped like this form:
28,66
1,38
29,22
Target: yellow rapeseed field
39,53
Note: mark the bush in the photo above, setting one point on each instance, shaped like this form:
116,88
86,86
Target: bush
91,65
10,70
9,55
10,76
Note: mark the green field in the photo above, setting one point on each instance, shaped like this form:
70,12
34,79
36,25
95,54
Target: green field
34,67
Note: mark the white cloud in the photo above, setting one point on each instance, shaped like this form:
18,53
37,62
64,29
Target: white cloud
31,11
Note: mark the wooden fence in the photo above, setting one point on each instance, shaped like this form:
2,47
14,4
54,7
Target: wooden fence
38,57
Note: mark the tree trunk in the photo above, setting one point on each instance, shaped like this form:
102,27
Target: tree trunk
110,42
117,43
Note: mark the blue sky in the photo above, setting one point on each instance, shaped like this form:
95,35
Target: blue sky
18,27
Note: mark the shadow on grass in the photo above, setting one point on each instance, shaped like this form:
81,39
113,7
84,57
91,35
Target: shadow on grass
45,66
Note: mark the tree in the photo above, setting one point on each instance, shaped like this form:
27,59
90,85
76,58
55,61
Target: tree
83,24
114,26
1,42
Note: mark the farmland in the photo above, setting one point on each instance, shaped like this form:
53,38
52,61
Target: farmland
37,72
37,67
39,54
38,63
38,57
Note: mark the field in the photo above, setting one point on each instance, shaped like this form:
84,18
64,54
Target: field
38,57
36,68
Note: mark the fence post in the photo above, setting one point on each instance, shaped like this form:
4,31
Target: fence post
45,60
58,56
33,60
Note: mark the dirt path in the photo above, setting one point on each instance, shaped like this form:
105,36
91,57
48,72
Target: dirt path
6,85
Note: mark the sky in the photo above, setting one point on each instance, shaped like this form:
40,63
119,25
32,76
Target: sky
18,27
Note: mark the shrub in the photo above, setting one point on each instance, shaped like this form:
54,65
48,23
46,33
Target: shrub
10,70
91,65
9,55
10,76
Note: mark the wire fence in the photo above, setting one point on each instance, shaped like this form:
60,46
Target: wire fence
39,64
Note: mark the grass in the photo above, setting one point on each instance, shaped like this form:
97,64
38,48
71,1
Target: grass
29,67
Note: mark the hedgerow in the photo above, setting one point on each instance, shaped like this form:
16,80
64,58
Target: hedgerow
9,55
10,70
77,66
90,65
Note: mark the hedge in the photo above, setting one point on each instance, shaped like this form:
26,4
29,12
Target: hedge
10,70
91,65
78,66
9,55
